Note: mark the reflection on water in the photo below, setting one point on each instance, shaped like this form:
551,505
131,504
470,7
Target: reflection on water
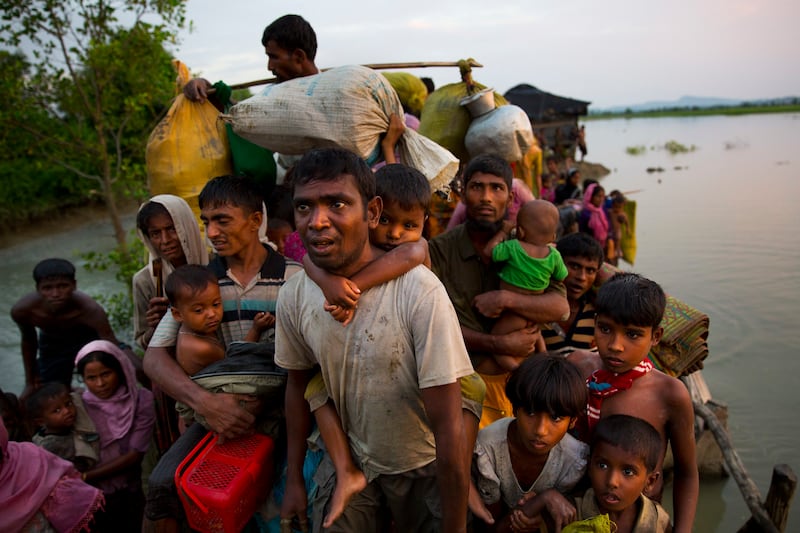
720,233
16,280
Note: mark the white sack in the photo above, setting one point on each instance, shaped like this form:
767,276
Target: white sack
348,107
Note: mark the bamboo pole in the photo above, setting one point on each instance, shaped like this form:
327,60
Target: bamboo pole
749,490
374,66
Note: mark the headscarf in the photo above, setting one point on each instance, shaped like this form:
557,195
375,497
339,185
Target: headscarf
113,416
28,476
189,235
598,222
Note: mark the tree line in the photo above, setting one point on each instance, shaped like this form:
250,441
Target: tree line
83,84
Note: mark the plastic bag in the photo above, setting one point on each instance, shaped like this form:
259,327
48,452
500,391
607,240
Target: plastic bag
187,148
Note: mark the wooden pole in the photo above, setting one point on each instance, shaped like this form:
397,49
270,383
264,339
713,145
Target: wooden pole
374,66
158,274
749,490
781,491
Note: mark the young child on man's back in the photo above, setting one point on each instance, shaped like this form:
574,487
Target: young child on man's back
196,304
623,463
622,380
63,426
532,452
406,195
528,263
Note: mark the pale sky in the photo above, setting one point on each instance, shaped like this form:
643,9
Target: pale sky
611,52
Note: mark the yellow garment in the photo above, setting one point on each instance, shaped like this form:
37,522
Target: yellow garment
596,524
628,241
496,404
187,148
530,168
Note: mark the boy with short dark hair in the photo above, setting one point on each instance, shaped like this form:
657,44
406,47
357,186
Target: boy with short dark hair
66,319
63,426
629,312
624,458
624,462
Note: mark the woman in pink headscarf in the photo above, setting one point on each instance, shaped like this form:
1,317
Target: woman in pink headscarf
592,219
124,416
40,491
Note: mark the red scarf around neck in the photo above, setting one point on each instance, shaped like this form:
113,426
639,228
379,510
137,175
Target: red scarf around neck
603,384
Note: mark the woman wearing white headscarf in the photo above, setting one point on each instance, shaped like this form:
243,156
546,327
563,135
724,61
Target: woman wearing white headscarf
169,231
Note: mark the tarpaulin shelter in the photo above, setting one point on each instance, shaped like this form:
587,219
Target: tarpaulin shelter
555,117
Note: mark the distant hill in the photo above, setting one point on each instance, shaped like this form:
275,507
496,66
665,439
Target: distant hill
694,102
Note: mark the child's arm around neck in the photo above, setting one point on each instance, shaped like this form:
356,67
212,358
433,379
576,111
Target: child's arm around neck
344,292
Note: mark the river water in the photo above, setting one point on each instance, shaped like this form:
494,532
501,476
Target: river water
716,228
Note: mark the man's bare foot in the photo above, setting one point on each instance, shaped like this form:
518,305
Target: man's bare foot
476,505
347,486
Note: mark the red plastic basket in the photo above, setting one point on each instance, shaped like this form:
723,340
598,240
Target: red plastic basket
222,485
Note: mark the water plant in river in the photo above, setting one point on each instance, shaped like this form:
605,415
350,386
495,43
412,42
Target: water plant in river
674,147
636,150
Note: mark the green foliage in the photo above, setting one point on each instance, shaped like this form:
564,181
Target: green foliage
93,83
124,264
636,150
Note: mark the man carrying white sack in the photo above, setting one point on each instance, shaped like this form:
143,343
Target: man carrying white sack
290,44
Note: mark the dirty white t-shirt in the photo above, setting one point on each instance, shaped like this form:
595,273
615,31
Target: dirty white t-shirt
404,337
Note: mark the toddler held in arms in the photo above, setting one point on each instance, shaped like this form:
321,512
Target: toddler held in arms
529,262
196,304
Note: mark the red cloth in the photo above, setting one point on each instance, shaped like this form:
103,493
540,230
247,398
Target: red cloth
603,384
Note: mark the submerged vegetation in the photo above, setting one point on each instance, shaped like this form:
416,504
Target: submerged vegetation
673,147
636,150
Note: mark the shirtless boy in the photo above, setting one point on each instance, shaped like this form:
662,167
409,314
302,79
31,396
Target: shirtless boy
629,311
66,318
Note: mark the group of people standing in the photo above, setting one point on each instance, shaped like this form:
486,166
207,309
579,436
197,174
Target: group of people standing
449,392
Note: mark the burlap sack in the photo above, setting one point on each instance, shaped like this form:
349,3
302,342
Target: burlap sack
348,107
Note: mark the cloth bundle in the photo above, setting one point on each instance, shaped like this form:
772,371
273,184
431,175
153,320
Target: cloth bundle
685,340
